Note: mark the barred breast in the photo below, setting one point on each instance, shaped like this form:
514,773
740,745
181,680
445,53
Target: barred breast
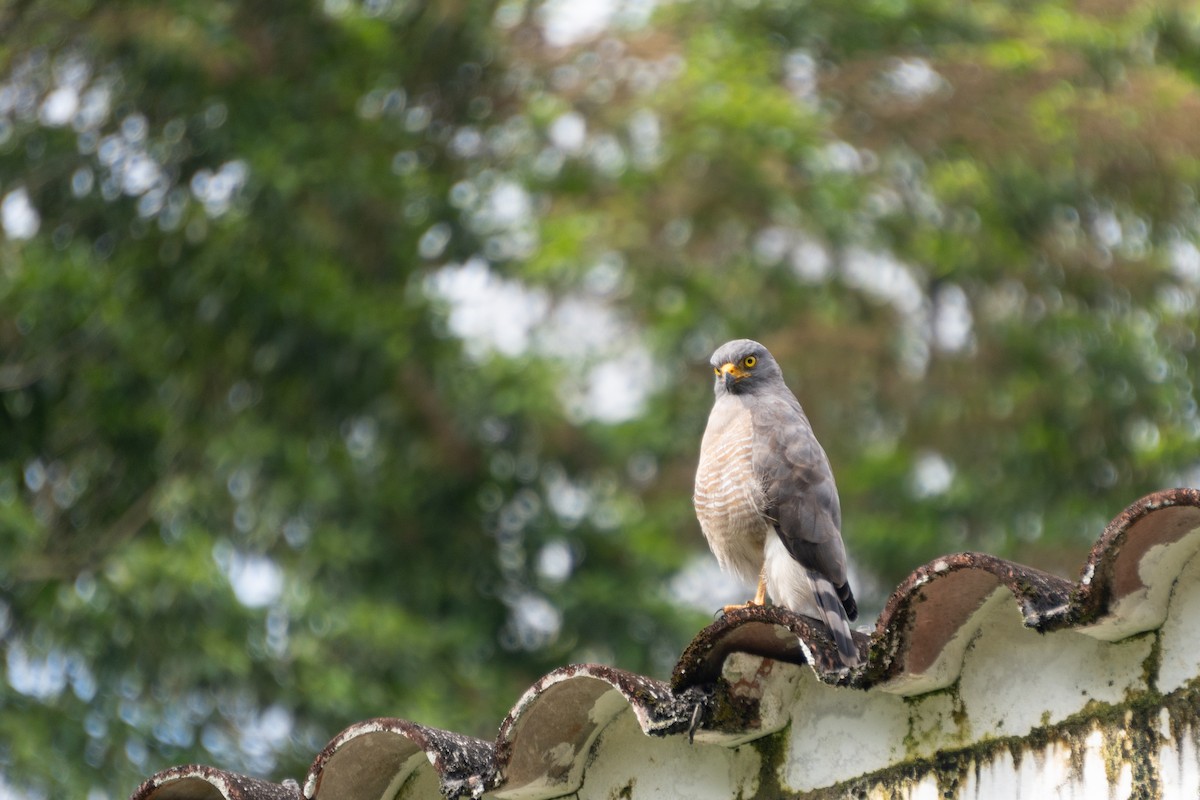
728,496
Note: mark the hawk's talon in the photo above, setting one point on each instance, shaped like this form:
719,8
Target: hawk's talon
740,606
760,596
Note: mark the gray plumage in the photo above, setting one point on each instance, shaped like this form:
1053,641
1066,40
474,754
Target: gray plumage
765,494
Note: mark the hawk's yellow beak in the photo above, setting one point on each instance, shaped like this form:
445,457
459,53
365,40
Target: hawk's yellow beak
731,373
729,368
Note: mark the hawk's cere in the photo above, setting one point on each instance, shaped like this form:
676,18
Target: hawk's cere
765,495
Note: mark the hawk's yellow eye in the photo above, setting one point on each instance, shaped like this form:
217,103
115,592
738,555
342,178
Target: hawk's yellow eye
716,372
750,361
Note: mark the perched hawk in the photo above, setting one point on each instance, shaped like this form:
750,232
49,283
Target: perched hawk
765,495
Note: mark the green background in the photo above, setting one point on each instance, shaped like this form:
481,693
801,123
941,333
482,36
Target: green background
353,354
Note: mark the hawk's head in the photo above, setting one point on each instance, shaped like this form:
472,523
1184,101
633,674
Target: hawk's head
743,366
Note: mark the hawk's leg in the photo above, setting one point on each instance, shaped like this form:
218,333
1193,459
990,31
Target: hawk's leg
760,596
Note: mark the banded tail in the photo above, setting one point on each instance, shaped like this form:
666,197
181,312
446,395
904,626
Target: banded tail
834,613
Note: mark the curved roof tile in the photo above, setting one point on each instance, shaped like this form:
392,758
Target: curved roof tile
379,757
918,645
1128,576
544,742
198,782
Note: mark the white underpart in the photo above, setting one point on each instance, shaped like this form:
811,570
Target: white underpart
788,583
728,497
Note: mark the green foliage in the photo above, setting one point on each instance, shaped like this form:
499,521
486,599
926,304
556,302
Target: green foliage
355,365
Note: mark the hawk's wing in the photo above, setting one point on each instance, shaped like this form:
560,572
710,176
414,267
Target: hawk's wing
802,498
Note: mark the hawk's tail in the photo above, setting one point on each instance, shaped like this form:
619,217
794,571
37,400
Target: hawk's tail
848,601
833,613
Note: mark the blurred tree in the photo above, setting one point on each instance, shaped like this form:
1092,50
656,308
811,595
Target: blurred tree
353,354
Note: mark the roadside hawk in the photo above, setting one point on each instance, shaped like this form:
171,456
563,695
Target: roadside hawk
765,495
